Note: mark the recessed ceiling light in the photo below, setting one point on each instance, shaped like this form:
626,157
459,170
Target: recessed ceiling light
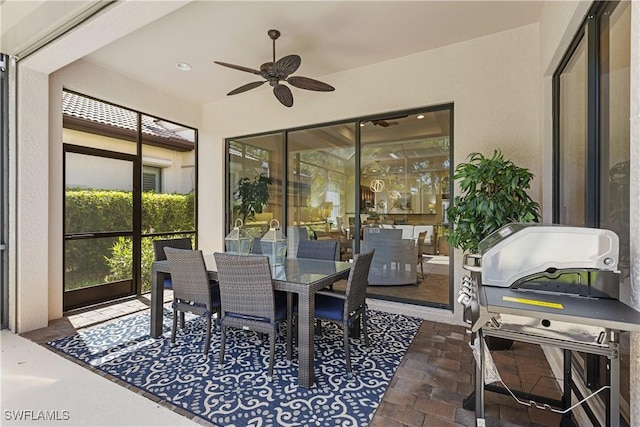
420,116
183,66
361,125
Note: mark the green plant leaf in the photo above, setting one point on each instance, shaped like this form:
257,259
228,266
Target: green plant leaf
492,195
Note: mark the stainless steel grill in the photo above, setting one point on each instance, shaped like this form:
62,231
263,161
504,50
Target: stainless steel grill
549,285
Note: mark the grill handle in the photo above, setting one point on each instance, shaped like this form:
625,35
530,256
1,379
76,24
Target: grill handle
471,262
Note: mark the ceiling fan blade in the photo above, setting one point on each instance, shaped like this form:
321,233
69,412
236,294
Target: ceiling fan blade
382,123
288,64
395,117
246,87
310,84
283,94
238,67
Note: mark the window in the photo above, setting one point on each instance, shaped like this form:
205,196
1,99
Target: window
151,179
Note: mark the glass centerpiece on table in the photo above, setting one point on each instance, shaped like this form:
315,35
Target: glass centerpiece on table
237,241
274,244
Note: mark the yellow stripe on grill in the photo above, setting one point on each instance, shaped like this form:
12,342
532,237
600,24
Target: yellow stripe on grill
534,302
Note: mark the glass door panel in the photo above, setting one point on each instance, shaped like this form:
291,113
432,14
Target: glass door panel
321,179
405,167
573,138
98,227
168,187
249,158
615,162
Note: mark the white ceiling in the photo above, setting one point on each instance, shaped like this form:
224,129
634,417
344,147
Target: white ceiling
330,36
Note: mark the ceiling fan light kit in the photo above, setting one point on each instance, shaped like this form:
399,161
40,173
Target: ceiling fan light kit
276,72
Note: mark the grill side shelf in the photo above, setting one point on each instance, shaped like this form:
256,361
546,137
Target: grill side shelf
606,313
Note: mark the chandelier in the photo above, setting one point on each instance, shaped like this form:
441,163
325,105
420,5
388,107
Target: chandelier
377,185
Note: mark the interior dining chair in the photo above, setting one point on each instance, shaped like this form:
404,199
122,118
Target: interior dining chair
158,249
248,299
319,249
425,247
256,248
192,290
348,309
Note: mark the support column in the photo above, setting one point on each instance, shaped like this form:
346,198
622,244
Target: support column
28,290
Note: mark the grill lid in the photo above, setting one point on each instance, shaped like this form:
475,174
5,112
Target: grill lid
519,250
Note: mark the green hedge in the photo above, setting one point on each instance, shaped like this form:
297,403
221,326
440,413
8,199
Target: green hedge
98,210
97,260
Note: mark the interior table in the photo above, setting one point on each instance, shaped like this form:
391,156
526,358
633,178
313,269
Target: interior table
301,276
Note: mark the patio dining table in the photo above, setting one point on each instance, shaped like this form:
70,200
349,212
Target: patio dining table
299,276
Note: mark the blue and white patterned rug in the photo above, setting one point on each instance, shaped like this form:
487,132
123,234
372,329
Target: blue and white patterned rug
241,393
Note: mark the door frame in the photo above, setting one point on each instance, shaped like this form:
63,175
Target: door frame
5,62
122,288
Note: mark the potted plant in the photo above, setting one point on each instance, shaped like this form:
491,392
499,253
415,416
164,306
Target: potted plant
493,194
252,195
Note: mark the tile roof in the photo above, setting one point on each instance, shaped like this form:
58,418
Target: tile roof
95,111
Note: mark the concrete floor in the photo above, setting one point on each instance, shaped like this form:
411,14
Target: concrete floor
39,387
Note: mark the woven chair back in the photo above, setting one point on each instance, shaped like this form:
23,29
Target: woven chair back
246,288
160,244
358,281
189,276
319,249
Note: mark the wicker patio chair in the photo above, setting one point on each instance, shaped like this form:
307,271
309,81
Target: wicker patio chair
192,290
158,249
350,308
319,249
248,298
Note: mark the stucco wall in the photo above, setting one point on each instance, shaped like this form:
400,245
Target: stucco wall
493,82
29,257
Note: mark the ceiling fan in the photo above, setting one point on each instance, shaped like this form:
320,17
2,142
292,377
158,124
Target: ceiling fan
276,72
387,121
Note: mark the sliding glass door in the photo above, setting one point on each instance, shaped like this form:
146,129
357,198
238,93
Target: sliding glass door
345,180
593,156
